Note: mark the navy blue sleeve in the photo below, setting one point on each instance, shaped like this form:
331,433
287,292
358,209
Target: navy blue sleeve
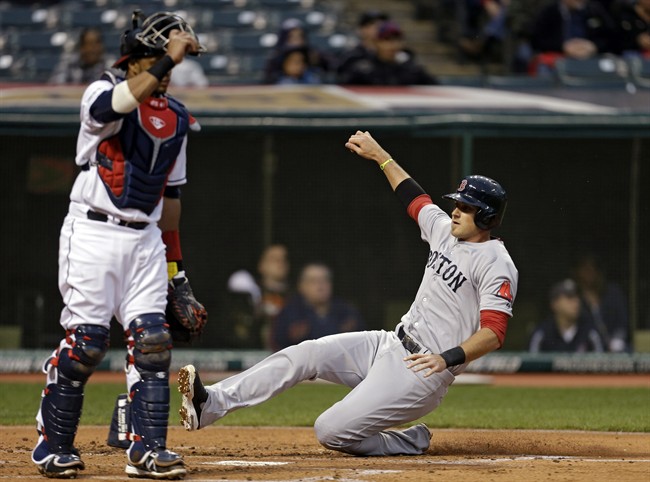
102,109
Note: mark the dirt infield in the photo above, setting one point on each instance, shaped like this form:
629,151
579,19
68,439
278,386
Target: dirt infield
293,454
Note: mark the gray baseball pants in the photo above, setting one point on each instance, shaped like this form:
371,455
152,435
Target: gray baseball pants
384,392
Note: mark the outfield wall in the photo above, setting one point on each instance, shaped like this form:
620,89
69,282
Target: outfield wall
31,361
575,184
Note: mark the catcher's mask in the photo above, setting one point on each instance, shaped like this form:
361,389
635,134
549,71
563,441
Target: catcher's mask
149,36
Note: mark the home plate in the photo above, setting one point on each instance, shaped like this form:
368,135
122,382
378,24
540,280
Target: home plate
245,463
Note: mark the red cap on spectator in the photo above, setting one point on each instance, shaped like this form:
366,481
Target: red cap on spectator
389,30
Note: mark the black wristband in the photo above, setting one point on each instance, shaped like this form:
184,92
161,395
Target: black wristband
408,190
162,67
172,192
454,356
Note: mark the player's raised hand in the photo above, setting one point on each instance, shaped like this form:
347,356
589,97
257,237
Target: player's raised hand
363,144
180,44
420,361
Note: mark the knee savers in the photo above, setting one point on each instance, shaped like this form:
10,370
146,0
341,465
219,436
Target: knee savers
151,345
88,347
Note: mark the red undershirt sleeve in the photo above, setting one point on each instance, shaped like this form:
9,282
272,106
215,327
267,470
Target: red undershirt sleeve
173,244
417,204
497,321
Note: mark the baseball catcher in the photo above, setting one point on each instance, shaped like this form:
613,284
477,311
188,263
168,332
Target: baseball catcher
120,253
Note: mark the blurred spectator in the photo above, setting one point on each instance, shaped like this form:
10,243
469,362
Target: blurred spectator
604,304
565,330
293,34
188,73
313,312
295,68
521,18
484,28
391,64
577,29
367,28
84,65
634,24
254,302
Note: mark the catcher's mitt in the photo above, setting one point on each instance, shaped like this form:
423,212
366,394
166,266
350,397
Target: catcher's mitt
185,315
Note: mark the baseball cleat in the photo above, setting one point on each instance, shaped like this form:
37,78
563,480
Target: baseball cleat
194,396
158,464
56,466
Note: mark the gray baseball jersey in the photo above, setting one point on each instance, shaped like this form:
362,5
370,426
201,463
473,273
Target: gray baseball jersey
460,280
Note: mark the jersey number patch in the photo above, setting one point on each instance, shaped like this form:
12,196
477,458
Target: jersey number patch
504,292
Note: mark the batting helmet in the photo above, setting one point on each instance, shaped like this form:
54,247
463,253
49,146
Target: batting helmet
487,195
150,38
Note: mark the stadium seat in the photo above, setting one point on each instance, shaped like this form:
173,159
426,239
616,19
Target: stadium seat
112,41
147,6
235,19
335,42
286,4
606,71
100,18
639,71
252,68
218,4
23,18
42,42
39,67
519,82
461,80
218,65
253,42
6,64
312,19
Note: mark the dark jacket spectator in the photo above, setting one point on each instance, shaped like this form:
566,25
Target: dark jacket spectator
253,301
575,28
367,28
604,304
634,24
566,330
313,312
390,65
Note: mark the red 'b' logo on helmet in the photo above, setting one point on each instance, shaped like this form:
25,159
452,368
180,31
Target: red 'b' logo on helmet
463,185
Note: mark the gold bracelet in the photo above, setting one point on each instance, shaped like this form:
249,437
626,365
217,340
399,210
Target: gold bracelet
382,166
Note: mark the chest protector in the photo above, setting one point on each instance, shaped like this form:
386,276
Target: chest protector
134,164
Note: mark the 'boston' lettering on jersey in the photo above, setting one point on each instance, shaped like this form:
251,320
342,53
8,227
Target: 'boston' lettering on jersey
448,270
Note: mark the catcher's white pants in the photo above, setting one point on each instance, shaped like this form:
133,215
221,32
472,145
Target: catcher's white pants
385,393
106,270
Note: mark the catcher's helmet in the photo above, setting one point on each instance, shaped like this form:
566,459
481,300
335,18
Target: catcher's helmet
150,38
487,195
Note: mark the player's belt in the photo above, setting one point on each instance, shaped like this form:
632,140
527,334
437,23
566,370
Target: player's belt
95,216
409,343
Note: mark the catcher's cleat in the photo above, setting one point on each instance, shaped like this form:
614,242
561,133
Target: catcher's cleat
194,396
157,464
56,466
